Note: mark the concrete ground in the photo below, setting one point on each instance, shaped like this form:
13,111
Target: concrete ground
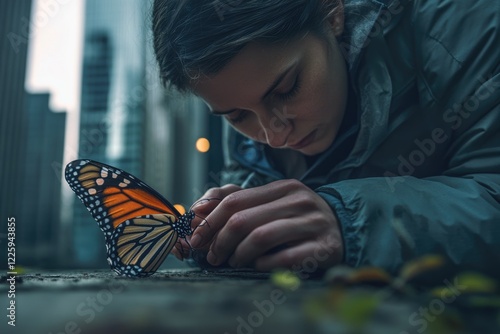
219,301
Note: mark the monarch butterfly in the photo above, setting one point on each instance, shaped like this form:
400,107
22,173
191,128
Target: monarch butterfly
140,226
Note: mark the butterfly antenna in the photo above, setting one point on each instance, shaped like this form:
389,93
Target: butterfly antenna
177,247
181,250
189,244
205,221
204,199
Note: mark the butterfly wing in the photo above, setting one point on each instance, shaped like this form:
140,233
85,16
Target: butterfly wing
112,195
138,246
140,226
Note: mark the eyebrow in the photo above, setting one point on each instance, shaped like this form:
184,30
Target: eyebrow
275,84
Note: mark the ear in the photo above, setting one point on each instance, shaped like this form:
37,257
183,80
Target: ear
336,18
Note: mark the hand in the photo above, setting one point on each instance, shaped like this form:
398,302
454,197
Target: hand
281,224
203,207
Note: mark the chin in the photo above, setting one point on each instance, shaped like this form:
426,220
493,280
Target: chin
310,151
317,147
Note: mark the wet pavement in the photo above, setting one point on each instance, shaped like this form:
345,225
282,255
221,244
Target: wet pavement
213,301
171,301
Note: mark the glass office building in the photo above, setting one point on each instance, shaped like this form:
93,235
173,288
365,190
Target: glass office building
128,120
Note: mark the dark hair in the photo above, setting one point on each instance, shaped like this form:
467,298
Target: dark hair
193,37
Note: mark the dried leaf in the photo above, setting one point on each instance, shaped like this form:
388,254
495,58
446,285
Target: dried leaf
369,275
351,276
420,266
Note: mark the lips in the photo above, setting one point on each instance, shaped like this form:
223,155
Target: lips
304,142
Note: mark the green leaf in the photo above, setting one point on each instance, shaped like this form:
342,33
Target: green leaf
357,308
475,282
285,279
485,301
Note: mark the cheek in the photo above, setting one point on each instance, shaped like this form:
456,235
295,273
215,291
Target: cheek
317,101
329,98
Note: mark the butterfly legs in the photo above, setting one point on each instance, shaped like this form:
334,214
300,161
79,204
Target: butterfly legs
198,255
204,221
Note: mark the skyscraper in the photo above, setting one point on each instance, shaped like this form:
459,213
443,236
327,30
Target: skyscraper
14,30
38,231
128,120
111,120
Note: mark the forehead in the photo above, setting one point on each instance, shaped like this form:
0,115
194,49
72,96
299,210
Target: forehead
246,77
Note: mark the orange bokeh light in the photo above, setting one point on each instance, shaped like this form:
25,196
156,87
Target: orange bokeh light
203,145
180,208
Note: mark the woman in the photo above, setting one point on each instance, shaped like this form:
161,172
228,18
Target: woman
361,132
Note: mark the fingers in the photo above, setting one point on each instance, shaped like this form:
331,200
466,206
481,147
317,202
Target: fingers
237,202
267,238
181,249
212,198
203,207
177,254
284,216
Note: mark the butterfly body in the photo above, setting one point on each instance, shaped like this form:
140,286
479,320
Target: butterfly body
140,226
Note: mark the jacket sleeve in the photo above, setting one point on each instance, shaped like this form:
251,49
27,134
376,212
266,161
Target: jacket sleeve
456,212
387,221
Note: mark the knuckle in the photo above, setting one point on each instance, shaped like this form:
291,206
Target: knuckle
232,200
259,237
294,184
229,188
304,201
236,223
288,259
213,192
289,184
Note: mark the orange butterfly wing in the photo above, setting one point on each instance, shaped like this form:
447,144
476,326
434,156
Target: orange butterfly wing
140,226
112,195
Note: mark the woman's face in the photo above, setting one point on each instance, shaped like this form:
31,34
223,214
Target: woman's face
285,95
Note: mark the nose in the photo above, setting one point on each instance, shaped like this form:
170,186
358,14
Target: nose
275,127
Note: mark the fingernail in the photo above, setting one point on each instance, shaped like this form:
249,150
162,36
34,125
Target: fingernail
195,240
211,258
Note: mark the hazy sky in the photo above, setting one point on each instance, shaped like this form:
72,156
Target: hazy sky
54,65
54,59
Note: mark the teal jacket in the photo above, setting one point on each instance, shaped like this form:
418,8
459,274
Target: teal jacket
416,168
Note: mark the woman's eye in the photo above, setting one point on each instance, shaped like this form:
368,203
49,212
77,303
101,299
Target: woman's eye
242,114
292,92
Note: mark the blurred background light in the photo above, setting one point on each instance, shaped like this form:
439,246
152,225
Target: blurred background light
180,208
203,145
